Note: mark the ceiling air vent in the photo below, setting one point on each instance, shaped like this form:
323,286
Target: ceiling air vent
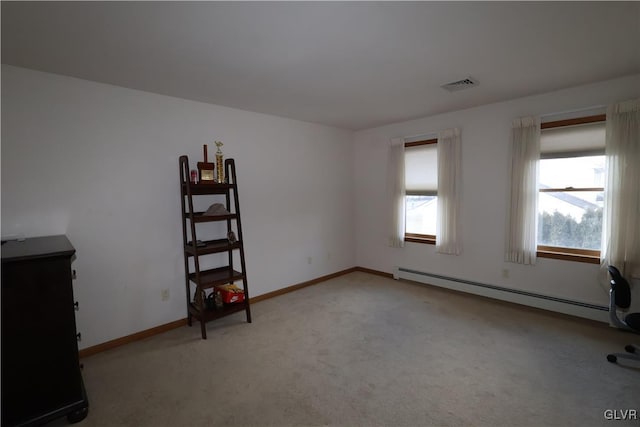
460,84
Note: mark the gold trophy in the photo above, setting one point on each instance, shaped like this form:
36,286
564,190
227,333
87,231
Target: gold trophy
219,164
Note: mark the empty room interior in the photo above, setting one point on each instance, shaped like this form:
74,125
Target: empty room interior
320,213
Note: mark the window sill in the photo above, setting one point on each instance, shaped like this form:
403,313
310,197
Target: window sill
420,238
568,254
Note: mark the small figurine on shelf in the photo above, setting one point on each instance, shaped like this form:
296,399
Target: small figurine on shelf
219,164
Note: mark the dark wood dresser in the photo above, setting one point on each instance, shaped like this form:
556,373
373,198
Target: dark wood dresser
41,378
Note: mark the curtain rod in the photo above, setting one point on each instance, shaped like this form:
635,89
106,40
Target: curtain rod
593,110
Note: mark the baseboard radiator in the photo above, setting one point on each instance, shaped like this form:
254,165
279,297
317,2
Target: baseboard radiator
575,308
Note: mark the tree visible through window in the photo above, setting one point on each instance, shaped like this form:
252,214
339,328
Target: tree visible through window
421,186
571,186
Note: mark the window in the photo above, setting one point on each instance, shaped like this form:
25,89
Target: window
421,186
571,188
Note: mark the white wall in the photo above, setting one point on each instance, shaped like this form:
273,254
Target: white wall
485,157
100,164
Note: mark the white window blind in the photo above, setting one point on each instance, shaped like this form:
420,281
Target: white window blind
571,141
421,170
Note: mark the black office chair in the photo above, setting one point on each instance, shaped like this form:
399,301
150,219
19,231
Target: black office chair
620,299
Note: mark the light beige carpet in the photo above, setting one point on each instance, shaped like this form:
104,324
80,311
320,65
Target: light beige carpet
364,350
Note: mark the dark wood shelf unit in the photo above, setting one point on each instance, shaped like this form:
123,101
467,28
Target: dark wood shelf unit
198,281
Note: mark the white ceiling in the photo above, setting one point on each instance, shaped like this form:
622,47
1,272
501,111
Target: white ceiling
353,65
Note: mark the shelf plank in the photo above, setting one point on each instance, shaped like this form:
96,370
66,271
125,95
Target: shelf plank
203,189
212,247
216,276
201,217
225,310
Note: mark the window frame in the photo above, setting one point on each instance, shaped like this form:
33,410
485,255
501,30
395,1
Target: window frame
429,239
557,252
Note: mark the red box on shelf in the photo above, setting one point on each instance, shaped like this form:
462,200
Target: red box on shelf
231,294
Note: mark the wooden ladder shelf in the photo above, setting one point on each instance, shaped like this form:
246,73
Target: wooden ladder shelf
198,282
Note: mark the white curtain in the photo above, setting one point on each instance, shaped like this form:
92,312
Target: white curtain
396,193
448,234
621,217
523,206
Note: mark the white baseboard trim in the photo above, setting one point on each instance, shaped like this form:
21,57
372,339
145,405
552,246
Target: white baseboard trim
574,308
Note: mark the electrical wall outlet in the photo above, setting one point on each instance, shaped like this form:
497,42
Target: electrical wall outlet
165,294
